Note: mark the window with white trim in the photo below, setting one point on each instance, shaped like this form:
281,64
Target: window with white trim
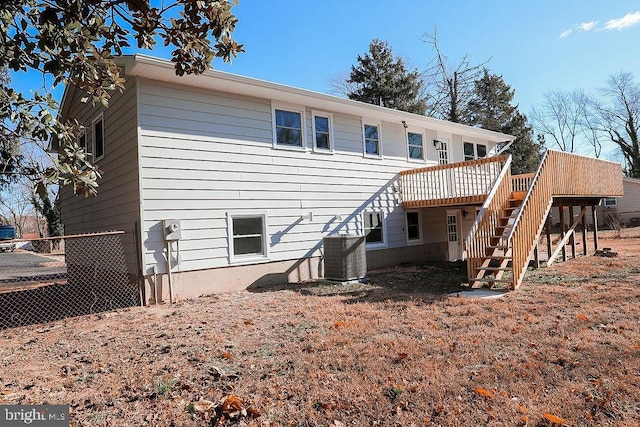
322,131
371,135
98,137
247,237
610,202
415,146
287,128
474,151
374,228
414,228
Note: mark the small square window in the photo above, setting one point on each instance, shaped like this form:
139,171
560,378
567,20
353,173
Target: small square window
247,236
288,128
415,145
371,140
610,201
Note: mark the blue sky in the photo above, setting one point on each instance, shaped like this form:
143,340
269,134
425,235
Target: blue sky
536,46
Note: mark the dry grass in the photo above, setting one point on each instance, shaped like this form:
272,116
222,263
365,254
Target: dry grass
395,351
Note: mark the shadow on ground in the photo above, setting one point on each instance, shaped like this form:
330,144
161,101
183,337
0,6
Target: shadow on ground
425,282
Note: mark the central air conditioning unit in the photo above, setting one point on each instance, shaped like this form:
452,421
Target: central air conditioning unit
345,257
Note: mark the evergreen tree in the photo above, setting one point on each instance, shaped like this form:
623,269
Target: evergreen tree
491,108
380,78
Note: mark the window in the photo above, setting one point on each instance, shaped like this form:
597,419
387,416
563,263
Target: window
481,150
415,146
474,151
98,138
82,142
247,237
322,131
371,140
610,202
374,228
469,152
414,230
288,128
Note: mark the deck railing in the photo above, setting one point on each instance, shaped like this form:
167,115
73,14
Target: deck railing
483,228
559,174
453,183
522,182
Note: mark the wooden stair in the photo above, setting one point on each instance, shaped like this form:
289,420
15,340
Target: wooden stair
498,255
503,238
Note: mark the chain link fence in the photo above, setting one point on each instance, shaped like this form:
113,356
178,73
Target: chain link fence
72,276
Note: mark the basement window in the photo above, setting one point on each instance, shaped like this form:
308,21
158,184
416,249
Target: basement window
374,229
414,230
247,237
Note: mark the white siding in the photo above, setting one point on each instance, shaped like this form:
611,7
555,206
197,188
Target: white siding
116,207
205,154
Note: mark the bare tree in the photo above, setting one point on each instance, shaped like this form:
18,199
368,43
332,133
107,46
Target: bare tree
619,113
16,207
558,118
450,87
340,85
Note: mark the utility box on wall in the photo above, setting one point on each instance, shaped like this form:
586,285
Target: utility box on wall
345,257
172,229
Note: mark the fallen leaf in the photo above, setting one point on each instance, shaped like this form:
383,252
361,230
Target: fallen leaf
339,324
225,355
484,392
203,405
402,356
231,403
253,412
554,419
582,317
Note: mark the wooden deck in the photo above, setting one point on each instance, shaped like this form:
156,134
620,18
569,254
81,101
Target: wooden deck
514,208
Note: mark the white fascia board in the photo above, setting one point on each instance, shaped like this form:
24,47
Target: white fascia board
163,70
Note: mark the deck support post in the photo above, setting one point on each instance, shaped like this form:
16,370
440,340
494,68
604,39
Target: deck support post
594,214
562,232
584,231
572,240
547,227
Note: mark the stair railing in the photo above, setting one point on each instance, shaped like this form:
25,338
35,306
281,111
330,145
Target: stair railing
559,174
484,226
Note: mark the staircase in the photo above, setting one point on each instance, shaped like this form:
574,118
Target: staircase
498,259
502,239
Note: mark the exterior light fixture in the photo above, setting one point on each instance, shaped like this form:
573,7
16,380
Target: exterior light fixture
404,124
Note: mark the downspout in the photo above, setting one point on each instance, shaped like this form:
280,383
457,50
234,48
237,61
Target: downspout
505,148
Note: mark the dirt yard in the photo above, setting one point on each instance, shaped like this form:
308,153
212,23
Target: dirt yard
562,350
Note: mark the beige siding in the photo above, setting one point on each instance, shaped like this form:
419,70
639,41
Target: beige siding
628,206
205,154
117,205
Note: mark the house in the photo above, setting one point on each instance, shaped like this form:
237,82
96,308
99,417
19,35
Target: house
234,182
